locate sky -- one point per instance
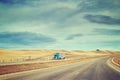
(60, 24)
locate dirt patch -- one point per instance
(6, 69)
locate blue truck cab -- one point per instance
(59, 56)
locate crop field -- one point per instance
(16, 56)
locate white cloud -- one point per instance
(58, 19)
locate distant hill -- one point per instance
(7, 54)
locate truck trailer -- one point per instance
(59, 56)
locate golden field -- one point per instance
(11, 55)
(34, 57)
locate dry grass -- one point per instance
(72, 56)
(14, 54)
(117, 60)
(21, 55)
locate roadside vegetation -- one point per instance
(117, 61)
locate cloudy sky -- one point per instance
(60, 24)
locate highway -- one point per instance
(95, 69)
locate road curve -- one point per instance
(95, 69)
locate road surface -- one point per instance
(96, 69)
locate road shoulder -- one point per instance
(112, 65)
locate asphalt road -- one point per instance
(96, 69)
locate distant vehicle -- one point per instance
(58, 56)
